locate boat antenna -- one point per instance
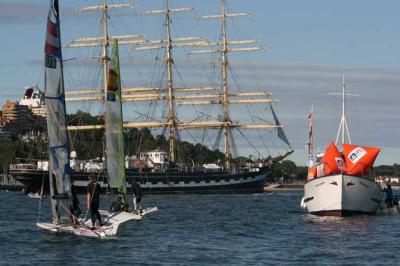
(343, 127)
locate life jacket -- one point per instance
(359, 159)
(320, 170)
(312, 173)
(333, 161)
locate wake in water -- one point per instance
(321, 219)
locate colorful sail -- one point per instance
(114, 130)
(333, 161)
(359, 159)
(55, 103)
(312, 173)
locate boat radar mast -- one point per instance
(343, 128)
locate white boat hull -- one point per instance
(341, 195)
(110, 228)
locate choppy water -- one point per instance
(259, 229)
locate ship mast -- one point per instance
(168, 44)
(224, 66)
(171, 103)
(106, 44)
(224, 69)
(103, 41)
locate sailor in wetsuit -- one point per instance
(93, 200)
(75, 207)
(117, 205)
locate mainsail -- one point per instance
(114, 130)
(55, 102)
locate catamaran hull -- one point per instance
(161, 183)
(110, 229)
(341, 195)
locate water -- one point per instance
(258, 229)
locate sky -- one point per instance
(310, 45)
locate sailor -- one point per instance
(389, 196)
(137, 192)
(93, 200)
(75, 207)
(117, 205)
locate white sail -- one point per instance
(55, 102)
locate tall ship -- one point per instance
(216, 112)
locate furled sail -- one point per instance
(114, 129)
(55, 102)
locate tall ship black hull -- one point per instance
(159, 182)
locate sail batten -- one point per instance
(55, 102)
(114, 130)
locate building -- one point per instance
(27, 117)
(34, 99)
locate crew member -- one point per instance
(75, 207)
(389, 196)
(137, 196)
(117, 205)
(93, 200)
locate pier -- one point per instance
(8, 183)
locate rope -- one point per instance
(40, 201)
(81, 222)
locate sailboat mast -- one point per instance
(106, 44)
(171, 104)
(224, 66)
(310, 142)
(343, 127)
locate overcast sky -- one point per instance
(310, 45)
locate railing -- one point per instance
(7, 182)
(22, 166)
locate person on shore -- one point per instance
(93, 200)
(389, 196)
(75, 207)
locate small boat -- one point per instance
(339, 185)
(59, 175)
(34, 195)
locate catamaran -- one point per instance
(59, 174)
(339, 184)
